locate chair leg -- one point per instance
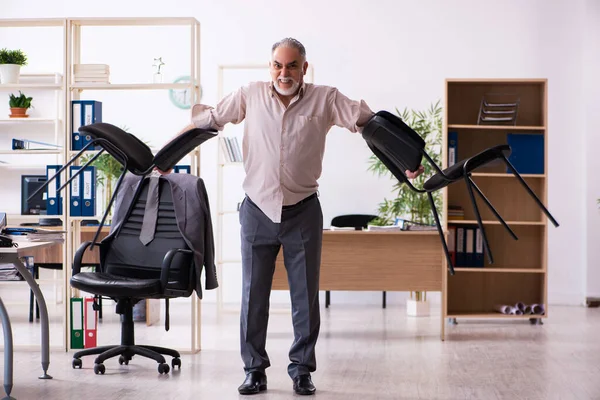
(526, 186)
(493, 210)
(486, 245)
(439, 228)
(327, 299)
(383, 300)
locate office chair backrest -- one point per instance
(116, 141)
(396, 144)
(356, 221)
(126, 256)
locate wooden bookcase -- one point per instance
(519, 271)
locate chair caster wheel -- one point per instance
(123, 360)
(176, 362)
(77, 363)
(163, 368)
(99, 369)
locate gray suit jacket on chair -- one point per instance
(193, 219)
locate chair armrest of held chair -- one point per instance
(166, 266)
(79, 257)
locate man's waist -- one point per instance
(304, 200)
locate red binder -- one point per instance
(90, 323)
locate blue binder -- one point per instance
(75, 206)
(53, 197)
(527, 152)
(88, 194)
(84, 112)
(182, 169)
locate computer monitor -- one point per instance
(37, 205)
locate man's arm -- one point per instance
(347, 113)
(231, 108)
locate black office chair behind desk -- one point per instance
(358, 222)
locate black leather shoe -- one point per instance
(303, 385)
(255, 382)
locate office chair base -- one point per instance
(126, 353)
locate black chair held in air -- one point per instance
(400, 148)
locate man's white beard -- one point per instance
(287, 92)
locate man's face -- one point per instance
(287, 70)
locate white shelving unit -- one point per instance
(45, 124)
(76, 28)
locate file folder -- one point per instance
(469, 246)
(76, 323)
(75, 206)
(460, 247)
(91, 323)
(75, 125)
(88, 187)
(182, 169)
(452, 148)
(478, 259)
(527, 155)
(84, 112)
(53, 198)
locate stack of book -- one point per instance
(95, 73)
(455, 212)
(231, 149)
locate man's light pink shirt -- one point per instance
(283, 147)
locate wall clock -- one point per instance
(182, 98)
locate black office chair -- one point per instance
(358, 222)
(129, 270)
(400, 148)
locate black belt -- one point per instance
(304, 200)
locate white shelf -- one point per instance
(124, 21)
(39, 86)
(28, 120)
(129, 86)
(16, 152)
(32, 22)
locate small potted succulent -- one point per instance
(19, 105)
(10, 65)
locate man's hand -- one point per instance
(413, 175)
(163, 172)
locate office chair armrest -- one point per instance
(166, 266)
(79, 257)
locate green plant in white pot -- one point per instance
(11, 62)
(406, 203)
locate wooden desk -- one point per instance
(377, 261)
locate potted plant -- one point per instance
(19, 105)
(406, 203)
(11, 62)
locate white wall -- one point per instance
(591, 61)
(397, 54)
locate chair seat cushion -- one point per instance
(457, 171)
(110, 285)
